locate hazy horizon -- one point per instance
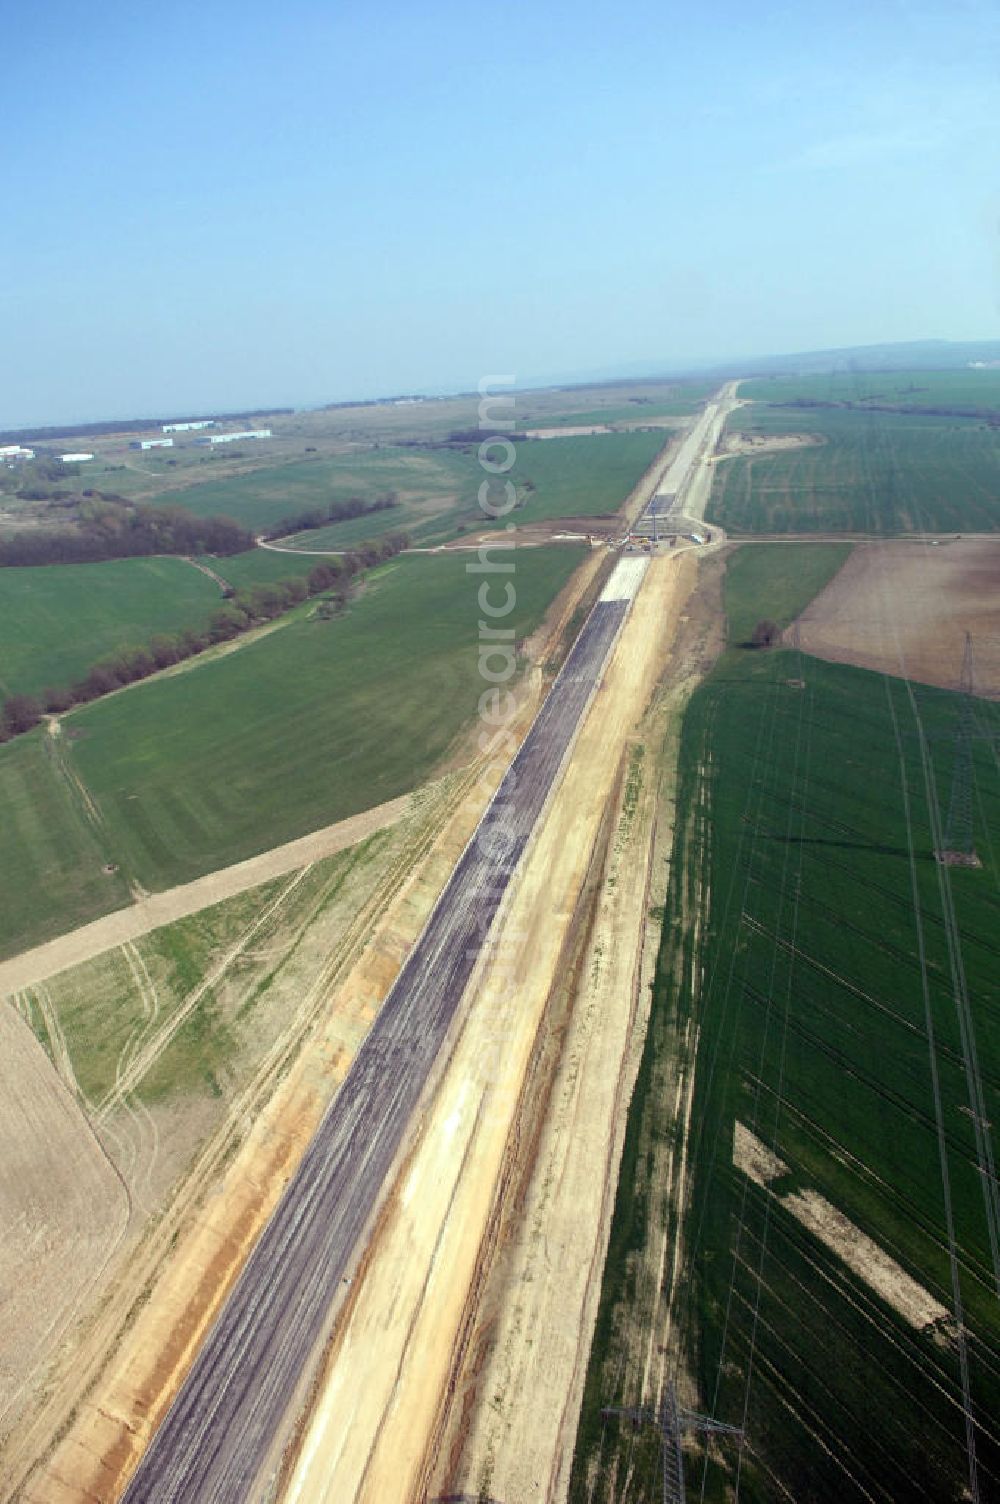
(625, 374)
(236, 210)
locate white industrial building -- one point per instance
(230, 438)
(10, 452)
(188, 427)
(75, 459)
(151, 444)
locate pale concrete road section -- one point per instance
(625, 579)
(234, 1409)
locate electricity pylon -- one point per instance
(671, 1420)
(958, 848)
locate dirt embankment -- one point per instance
(904, 606)
(511, 1422)
(734, 443)
(639, 1351)
(406, 1360)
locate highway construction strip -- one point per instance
(232, 1414)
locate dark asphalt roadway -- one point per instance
(233, 1406)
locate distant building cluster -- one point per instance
(231, 438)
(13, 454)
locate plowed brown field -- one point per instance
(904, 607)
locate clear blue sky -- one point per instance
(221, 204)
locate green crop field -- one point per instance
(103, 1004)
(355, 530)
(261, 566)
(306, 725)
(427, 482)
(873, 472)
(844, 989)
(241, 944)
(961, 389)
(639, 410)
(776, 581)
(52, 856)
(55, 622)
(627, 400)
(438, 490)
(584, 476)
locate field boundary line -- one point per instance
(157, 909)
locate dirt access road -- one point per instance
(34, 966)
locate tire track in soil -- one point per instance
(145, 1058)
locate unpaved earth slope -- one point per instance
(511, 1424)
(639, 1350)
(379, 1413)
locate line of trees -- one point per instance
(37, 479)
(465, 436)
(108, 527)
(242, 610)
(336, 511)
(911, 409)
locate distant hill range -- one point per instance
(912, 355)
